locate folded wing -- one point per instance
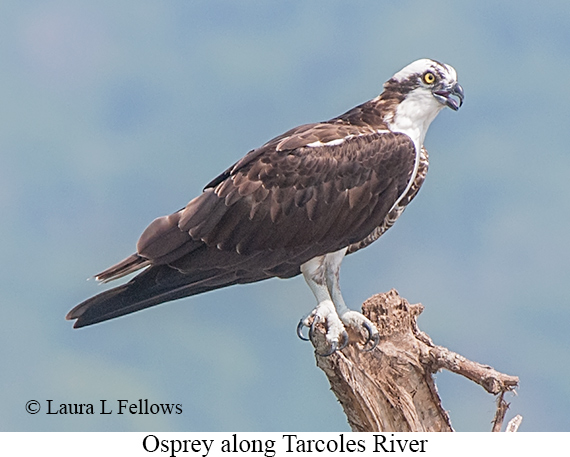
(311, 191)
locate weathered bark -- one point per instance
(391, 388)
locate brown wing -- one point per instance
(294, 198)
(328, 196)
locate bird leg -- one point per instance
(322, 276)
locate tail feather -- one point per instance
(156, 285)
(129, 265)
(205, 270)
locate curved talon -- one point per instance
(333, 349)
(345, 341)
(375, 341)
(300, 326)
(374, 337)
(366, 325)
(312, 327)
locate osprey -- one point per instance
(298, 204)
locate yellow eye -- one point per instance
(429, 77)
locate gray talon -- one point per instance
(375, 341)
(333, 349)
(312, 328)
(334, 344)
(366, 325)
(300, 326)
(344, 342)
(374, 337)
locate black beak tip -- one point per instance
(458, 92)
(451, 97)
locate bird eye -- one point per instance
(429, 77)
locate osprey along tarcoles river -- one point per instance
(298, 204)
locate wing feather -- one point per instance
(295, 196)
(312, 190)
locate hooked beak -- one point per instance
(445, 95)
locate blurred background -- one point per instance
(114, 112)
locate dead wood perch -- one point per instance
(391, 389)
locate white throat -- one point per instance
(414, 115)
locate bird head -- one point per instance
(424, 78)
(418, 93)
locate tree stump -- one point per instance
(391, 388)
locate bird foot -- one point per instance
(336, 334)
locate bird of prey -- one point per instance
(297, 204)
